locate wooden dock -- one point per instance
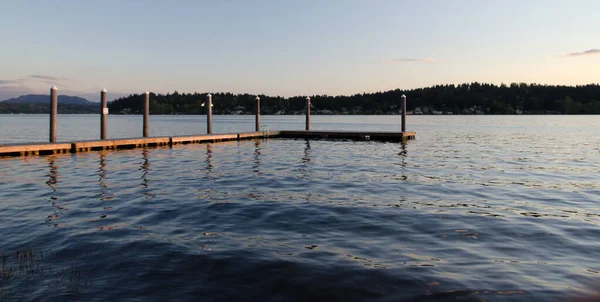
(54, 147)
(353, 135)
(129, 143)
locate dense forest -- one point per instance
(473, 98)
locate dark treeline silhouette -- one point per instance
(473, 98)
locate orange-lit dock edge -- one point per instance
(11, 150)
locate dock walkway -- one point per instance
(129, 143)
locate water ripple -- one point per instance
(492, 214)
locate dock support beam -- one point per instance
(146, 113)
(103, 113)
(53, 112)
(209, 114)
(257, 117)
(403, 105)
(307, 113)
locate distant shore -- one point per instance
(463, 99)
(340, 114)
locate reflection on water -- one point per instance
(145, 167)
(257, 163)
(102, 171)
(209, 159)
(104, 193)
(403, 155)
(305, 167)
(404, 152)
(306, 157)
(437, 219)
(53, 175)
(52, 182)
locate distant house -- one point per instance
(325, 111)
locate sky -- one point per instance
(292, 47)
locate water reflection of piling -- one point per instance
(209, 157)
(403, 155)
(306, 159)
(257, 163)
(52, 182)
(209, 167)
(145, 168)
(102, 171)
(53, 176)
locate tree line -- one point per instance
(468, 98)
(456, 99)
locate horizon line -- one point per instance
(123, 94)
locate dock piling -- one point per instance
(209, 114)
(307, 113)
(146, 113)
(403, 105)
(103, 113)
(257, 117)
(53, 112)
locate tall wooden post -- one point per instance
(103, 113)
(53, 112)
(307, 113)
(209, 114)
(146, 113)
(403, 105)
(257, 118)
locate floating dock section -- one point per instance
(130, 143)
(54, 147)
(352, 135)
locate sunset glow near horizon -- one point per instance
(293, 48)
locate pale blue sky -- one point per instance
(284, 47)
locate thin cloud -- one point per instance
(47, 77)
(7, 92)
(10, 82)
(405, 60)
(589, 52)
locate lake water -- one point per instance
(477, 208)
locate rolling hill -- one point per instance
(39, 104)
(45, 99)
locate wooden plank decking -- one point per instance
(360, 135)
(34, 149)
(128, 143)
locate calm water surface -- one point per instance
(494, 208)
